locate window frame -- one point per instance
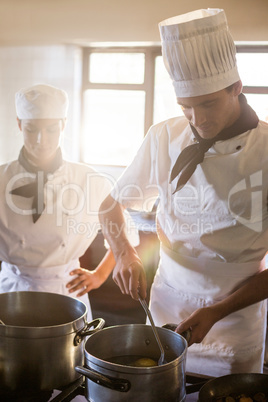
(250, 48)
(150, 52)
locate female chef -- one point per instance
(48, 205)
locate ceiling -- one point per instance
(44, 22)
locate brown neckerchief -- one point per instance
(36, 188)
(194, 154)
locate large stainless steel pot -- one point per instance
(112, 382)
(42, 341)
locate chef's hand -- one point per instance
(84, 281)
(129, 274)
(199, 323)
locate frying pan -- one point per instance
(244, 383)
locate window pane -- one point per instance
(113, 126)
(259, 102)
(117, 68)
(165, 103)
(252, 68)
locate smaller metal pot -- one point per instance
(237, 384)
(112, 382)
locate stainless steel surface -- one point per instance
(158, 383)
(37, 343)
(186, 334)
(161, 359)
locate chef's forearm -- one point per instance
(129, 273)
(106, 265)
(253, 291)
(113, 224)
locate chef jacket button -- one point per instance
(238, 147)
(62, 244)
(22, 241)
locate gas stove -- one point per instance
(76, 392)
(193, 384)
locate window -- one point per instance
(165, 102)
(126, 90)
(252, 64)
(117, 97)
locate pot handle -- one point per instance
(185, 334)
(116, 384)
(98, 324)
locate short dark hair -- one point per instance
(230, 88)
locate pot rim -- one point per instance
(90, 359)
(47, 331)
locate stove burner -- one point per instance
(71, 391)
(193, 384)
(66, 394)
(26, 396)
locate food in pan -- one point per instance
(144, 362)
(134, 361)
(259, 397)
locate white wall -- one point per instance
(77, 21)
(29, 65)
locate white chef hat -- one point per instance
(41, 102)
(199, 52)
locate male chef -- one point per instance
(209, 171)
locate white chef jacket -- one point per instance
(39, 256)
(215, 235)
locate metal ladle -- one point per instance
(149, 315)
